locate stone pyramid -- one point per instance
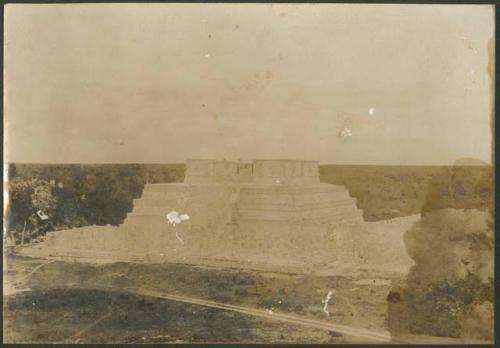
(266, 208)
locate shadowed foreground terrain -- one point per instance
(64, 293)
(98, 316)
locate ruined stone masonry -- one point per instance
(269, 211)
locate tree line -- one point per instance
(50, 197)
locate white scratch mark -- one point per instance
(42, 215)
(325, 301)
(174, 218)
(179, 238)
(207, 55)
(346, 132)
(371, 111)
(278, 181)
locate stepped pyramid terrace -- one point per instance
(269, 212)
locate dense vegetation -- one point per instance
(76, 195)
(385, 192)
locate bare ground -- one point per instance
(62, 302)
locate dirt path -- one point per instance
(352, 332)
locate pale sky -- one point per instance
(159, 83)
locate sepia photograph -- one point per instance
(296, 173)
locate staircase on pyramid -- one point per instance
(238, 210)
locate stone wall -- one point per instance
(285, 172)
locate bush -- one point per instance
(30, 201)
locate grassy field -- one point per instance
(62, 290)
(98, 316)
